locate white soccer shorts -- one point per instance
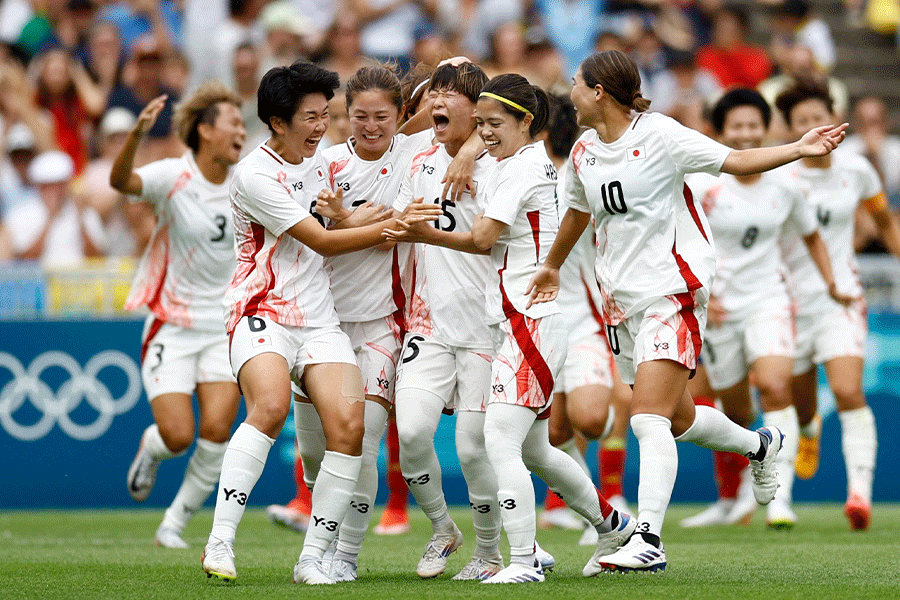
(588, 362)
(377, 346)
(821, 337)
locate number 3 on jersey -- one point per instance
(613, 198)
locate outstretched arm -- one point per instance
(122, 177)
(817, 142)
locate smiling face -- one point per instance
(809, 114)
(453, 115)
(743, 128)
(585, 101)
(226, 136)
(301, 136)
(374, 119)
(502, 133)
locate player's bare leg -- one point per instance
(804, 391)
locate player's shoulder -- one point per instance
(700, 182)
(852, 161)
(337, 152)
(531, 161)
(421, 157)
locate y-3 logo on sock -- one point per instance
(240, 497)
(481, 508)
(328, 525)
(421, 479)
(362, 507)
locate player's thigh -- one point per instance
(588, 408)
(736, 402)
(473, 379)
(426, 364)
(174, 416)
(845, 378)
(530, 357)
(169, 360)
(377, 345)
(724, 357)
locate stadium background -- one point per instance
(71, 405)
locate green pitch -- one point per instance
(110, 554)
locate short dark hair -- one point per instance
(735, 98)
(801, 91)
(468, 79)
(283, 88)
(562, 125)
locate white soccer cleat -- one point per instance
(167, 537)
(312, 571)
(590, 537)
(745, 505)
(608, 543)
(563, 518)
(288, 516)
(437, 553)
(142, 473)
(218, 560)
(765, 473)
(480, 568)
(342, 570)
(517, 573)
(780, 515)
(544, 558)
(636, 555)
(715, 514)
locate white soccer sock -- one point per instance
(310, 440)
(859, 440)
(658, 467)
(242, 465)
(356, 522)
(481, 481)
(712, 429)
(570, 447)
(418, 413)
(330, 500)
(563, 474)
(785, 420)
(155, 445)
(507, 426)
(199, 481)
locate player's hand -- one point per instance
(842, 299)
(366, 214)
(414, 224)
(458, 179)
(150, 113)
(331, 205)
(822, 140)
(543, 287)
(455, 61)
(715, 312)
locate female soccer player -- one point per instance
(181, 278)
(751, 329)
(282, 321)
(828, 333)
(518, 226)
(654, 266)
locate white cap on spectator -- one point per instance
(19, 137)
(281, 15)
(117, 120)
(51, 167)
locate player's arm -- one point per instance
(819, 254)
(885, 221)
(486, 231)
(817, 142)
(123, 177)
(413, 226)
(544, 285)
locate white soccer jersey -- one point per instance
(362, 283)
(746, 222)
(521, 194)
(189, 260)
(277, 277)
(652, 236)
(834, 194)
(448, 289)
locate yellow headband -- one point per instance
(508, 102)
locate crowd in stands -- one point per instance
(74, 74)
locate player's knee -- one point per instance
(848, 396)
(592, 425)
(345, 435)
(775, 394)
(412, 436)
(178, 438)
(270, 415)
(559, 433)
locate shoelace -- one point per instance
(219, 546)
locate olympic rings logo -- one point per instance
(56, 406)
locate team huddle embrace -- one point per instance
(423, 268)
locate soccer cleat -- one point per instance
(745, 505)
(393, 522)
(517, 573)
(590, 537)
(780, 515)
(218, 560)
(437, 552)
(608, 544)
(636, 555)
(858, 511)
(293, 516)
(765, 474)
(342, 570)
(807, 462)
(312, 571)
(544, 558)
(480, 568)
(715, 514)
(329, 551)
(142, 473)
(167, 537)
(563, 518)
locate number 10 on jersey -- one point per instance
(613, 198)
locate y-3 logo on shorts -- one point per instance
(382, 383)
(498, 388)
(660, 346)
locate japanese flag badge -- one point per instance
(636, 153)
(261, 340)
(385, 171)
(320, 173)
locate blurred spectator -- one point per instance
(53, 228)
(176, 72)
(572, 26)
(136, 19)
(321, 15)
(147, 60)
(872, 140)
(387, 27)
(247, 75)
(202, 21)
(67, 92)
(649, 56)
(338, 130)
(508, 53)
(18, 105)
(342, 51)
(286, 32)
(20, 150)
(105, 56)
(545, 61)
(38, 33)
(74, 28)
(7, 253)
(240, 26)
(701, 14)
(734, 61)
(794, 23)
(880, 15)
(683, 90)
(14, 15)
(673, 27)
(474, 21)
(430, 45)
